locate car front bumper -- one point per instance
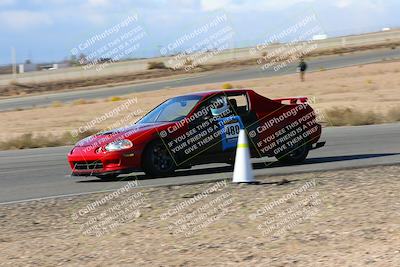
(86, 162)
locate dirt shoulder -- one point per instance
(366, 88)
(117, 78)
(341, 218)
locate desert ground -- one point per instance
(132, 70)
(366, 88)
(340, 218)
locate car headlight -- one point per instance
(119, 145)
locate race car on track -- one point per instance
(201, 128)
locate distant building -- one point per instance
(320, 37)
(55, 66)
(27, 67)
(386, 29)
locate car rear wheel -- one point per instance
(295, 154)
(157, 161)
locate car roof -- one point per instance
(212, 92)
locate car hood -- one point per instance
(103, 138)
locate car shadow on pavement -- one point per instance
(258, 165)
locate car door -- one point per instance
(240, 104)
(211, 127)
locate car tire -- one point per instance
(157, 161)
(295, 155)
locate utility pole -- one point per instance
(343, 42)
(159, 51)
(14, 64)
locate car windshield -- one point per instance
(174, 109)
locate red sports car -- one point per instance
(200, 128)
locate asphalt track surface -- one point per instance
(43, 173)
(326, 62)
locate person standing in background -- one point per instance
(301, 68)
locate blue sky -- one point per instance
(47, 30)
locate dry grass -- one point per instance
(369, 81)
(394, 114)
(227, 86)
(56, 104)
(351, 117)
(156, 65)
(115, 99)
(46, 140)
(29, 141)
(188, 62)
(80, 102)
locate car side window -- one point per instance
(239, 103)
(216, 106)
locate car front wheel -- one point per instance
(157, 161)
